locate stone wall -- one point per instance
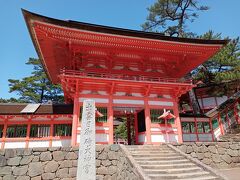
(215, 154)
(61, 163)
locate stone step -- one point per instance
(158, 158)
(155, 155)
(180, 175)
(173, 171)
(150, 150)
(168, 166)
(176, 161)
(206, 177)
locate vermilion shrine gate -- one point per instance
(129, 74)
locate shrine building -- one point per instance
(134, 77)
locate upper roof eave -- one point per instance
(113, 30)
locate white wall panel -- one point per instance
(160, 103)
(13, 145)
(38, 144)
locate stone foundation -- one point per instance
(215, 154)
(61, 163)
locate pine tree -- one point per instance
(171, 16)
(36, 88)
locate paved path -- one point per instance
(232, 174)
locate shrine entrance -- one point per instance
(125, 124)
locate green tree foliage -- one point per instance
(12, 100)
(36, 88)
(224, 66)
(171, 16)
(121, 131)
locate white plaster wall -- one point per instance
(162, 138)
(41, 118)
(10, 145)
(160, 103)
(189, 137)
(97, 100)
(217, 133)
(127, 101)
(99, 138)
(202, 119)
(137, 94)
(86, 92)
(38, 144)
(102, 128)
(205, 137)
(186, 119)
(61, 143)
(102, 138)
(163, 129)
(142, 138)
(63, 119)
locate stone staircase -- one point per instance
(163, 162)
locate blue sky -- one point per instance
(16, 46)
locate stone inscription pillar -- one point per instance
(86, 169)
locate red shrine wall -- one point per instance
(28, 131)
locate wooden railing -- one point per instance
(123, 77)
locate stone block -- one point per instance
(24, 152)
(98, 163)
(23, 178)
(189, 149)
(112, 155)
(216, 158)
(48, 176)
(26, 160)
(5, 170)
(102, 170)
(71, 155)
(8, 177)
(99, 177)
(221, 150)
(66, 164)
(207, 155)
(40, 149)
(75, 163)
(223, 144)
(114, 147)
(37, 178)
(234, 146)
(46, 156)
(226, 158)
(212, 149)
(207, 161)
(106, 163)
(102, 156)
(233, 153)
(112, 170)
(193, 154)
(99, 148)
(20, 170)
(62, 173)
(73, 172)
(58, 155)
(183, 148)
(9, 153)
(35, 169)
(3, 161)
(35, 159)
(15, 161)
(200, 156)
(236, 159)
(51, 167)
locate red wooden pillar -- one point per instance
(4, 132)
(147, 121)
(28, 131)
(177, 121)
(136, 127)
(110, 120)
(76, 111)
(220, 124)
(211, 127)
(196, 129)
(51, 131)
